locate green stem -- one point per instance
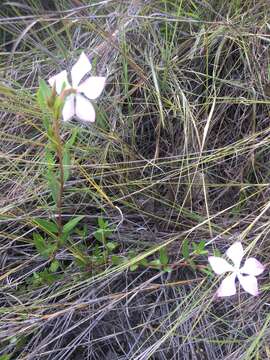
(59, 203)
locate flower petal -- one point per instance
(84, 109)
(92, 87)
(79, 69)
(219, 265)
(252, 267)
(249, 284)
(59, 80)
(69, 108)
(227, 286)
(236, 253)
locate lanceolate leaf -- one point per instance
(163, 256)
(185, 249)
(54, 185)
(39, 242)
(43, 94)
(70, 142)
(66, 163)
(48, 226)
(72, 224)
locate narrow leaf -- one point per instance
(54, 266)
(53, 184)
(185, 249)
(133, 267)
(39, 242)
(43, 94)
(111, 245)
(155, 263)
(70, 142)
(72, 224)
(48, 226)
(117, 260)
(66, 163)
(163, 256)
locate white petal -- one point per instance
(69, 108)
(219, 265)
(59, 80)
(249, 284)
(92, 87)
(236, 253)
(84, 109)
(79, 69)
(252, 267)
(227, 287)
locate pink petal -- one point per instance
(252, 267)
(59, 80)
(69, 108)
(219, 265)
(249, 284)
(92, 87)
(84, 109)
(227, 286)
(80, 68)
(236, 253)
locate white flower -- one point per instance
(246, 274)
(77, 104)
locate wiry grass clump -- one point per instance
(179, 153)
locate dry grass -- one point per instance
(180, 146)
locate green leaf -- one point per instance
(39, 242)
(53, 184)
(111, 245)
(117, 260)
(54, 266)
(63, 238)
(97, 251)
(102, 223)
(5, 357)
(132, 254)
(70, 142)
(185, 249)
(47, 278)
(49, 251)
(201, 246)
(133, 267)
(102, 234)
(82, 263)
(58, 105)
(163, 256)
(49, 158)
(207, 271)
(43, 248)
(48, 226)
(155, 263)
(217, 253)
(143, 262)
(168, 269)
(192, 264)
(83, 233)
(99, 235)
(66, 163)
(68, 227)
(199, 249)
(43, 94)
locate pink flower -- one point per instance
(78, 103)
(245, 274)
